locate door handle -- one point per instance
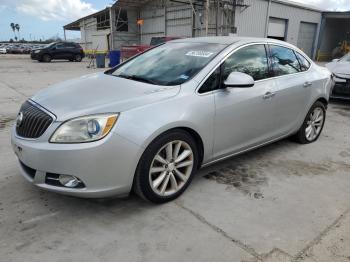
(307, 84)
(269, 95)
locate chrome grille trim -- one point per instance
(35, 121)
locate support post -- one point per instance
(207, 4)
(267, 18)
(112, 26)
(217, 16)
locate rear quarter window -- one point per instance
(304, 63)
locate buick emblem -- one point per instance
(19, 119)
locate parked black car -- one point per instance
(59, 50)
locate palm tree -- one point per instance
(17, 27)
(13, 27)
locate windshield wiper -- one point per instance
(138, 78)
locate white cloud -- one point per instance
(52, 9)
(332, 5)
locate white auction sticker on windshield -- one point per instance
(200, 53)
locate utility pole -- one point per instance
(207, 5)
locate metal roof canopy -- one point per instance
(75, 26)
(130, 3)
(337, 15)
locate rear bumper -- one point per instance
(106, 167)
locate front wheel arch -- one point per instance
(139, 180)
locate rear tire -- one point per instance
(162, 175)
(313, 124)
(78, 58)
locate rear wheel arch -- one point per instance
(323, 101)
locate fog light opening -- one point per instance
(70, 181)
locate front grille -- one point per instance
(34, 121)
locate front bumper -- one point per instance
(341, 88)
(35, 56)
(106, 167)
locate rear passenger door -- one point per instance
(292, 88)
(71, 50)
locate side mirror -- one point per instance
(336, 60)
(240, 80)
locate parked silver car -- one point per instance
(341, 73)
(151, 122)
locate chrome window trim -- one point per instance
(258, 81)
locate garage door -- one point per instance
(277, 28)
(306, 38)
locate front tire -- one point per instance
(46, 58)
(312, 125)
(167, 166)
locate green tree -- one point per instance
(17, 27)
(13, 27)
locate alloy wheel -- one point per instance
(314, 124)
(171, 168)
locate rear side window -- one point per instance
(304, 63)
(284, 61)
(251, 60)
(71, 45)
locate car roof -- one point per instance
(229, 40)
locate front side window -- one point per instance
(168, 64)
(304, 63)
(212, 82)
(251, 60)
(284, 61)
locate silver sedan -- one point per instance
(150, 123)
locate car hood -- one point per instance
(99, 93)
(341, 69)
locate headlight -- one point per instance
(37, 51)
(84, 129)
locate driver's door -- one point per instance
(245, 117)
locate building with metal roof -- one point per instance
(129, 22)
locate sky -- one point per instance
(41, 19)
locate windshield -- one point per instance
(49, 45)
(345, 58)
(169, 64)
